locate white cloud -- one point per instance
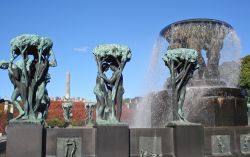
(82, 49)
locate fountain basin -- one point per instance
(167, 30)
(208, 105)
(216, 106)
(201, 34)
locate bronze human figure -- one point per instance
(31, 57)
(109, 91)
(182, 63)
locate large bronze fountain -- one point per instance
(199, 34)
(208, 100)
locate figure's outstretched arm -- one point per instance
(113, 77)
(4, 65)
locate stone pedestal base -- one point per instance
(188, 140)
(101, 141)
(25, 140)
(66, 141)
(151, 142)
(242, 141)
(219, 141)
(227, 141)
(112, 141)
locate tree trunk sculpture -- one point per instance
(29, 76)
(109, 91)
(182, 63)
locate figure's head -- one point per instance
(105, 67)
(114, 66)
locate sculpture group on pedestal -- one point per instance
(109, 91)
(31, 57)
(182, 63)
(29, 76)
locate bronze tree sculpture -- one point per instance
(182, 63)
(109, 91)
(31, 57)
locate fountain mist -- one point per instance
(219, 70)
(218, 75)
(155, 76)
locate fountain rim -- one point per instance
(196, 20)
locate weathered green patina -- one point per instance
(182, 63)
(109, 91)
(29, 76)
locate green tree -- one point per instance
(245, 73)
(126, 100)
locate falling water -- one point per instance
(229, 70)
(204, 36)
(229, 65)
(216, 39)
(154, 80)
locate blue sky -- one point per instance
(77, 26)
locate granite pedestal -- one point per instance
(242, 141)
(81, 142)
(151, 142)
(227, 141)
(25, 140)
(219, 141)
(112, 141)
(188, 140)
